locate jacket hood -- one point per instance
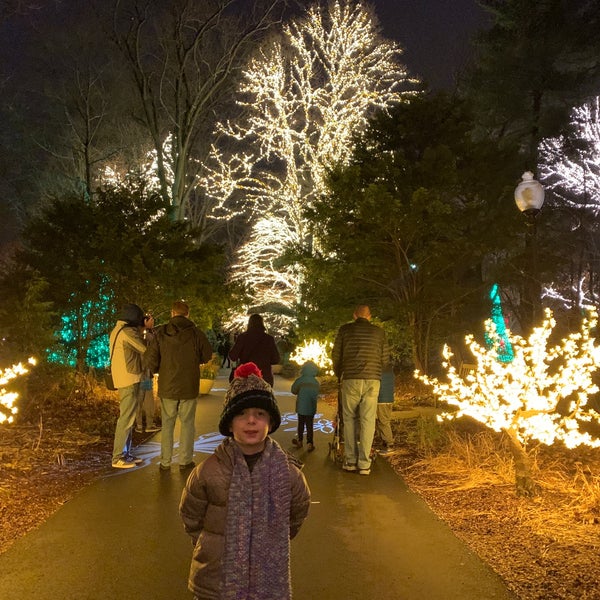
(176, 325)
(309, 369)
(131, 314)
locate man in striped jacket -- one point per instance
(359, 352)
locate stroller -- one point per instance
(336, 446)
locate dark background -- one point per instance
(435, 35)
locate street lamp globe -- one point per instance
(529, 195)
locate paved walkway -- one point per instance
(366, 537)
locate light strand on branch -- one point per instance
(542, 395)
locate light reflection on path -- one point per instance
(208, 442)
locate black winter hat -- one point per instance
(131, 313)
(248, 390)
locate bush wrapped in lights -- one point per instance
(541, 395)
(7, 399)
(315, 351)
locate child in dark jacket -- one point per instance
(307, 389)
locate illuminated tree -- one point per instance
(182, 56)
(570, 169)
(7, 399)
(302, 97)
(314, 351)
(542, 395)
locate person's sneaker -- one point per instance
(164, 467)
(187, 466)
(152, 429)
(136, 460)
(310, 447)
(386, 451)
(296, 442)
(364, 471)
(348, 467)
(122, 463)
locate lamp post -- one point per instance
(529, 198)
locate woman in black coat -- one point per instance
(257, 346)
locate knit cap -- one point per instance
(248, 390)
(131, 313)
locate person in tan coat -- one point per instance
(126, 349)
(244, 504)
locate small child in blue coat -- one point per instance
(307, 389)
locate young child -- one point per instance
(244, 503)
(306, 388)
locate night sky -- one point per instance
(434, 34)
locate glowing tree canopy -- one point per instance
(7, 399)
(316, 352)
(302, 97)
(541, 395)
(570, 168)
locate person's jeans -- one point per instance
(383, 425)
(128, 397)
(170, 410)
(359, 410)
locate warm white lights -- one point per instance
(303, 96)
(314, 351)
(541, 395)
(7, 399)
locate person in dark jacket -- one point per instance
(359, 352)
(257, 346)
(176, 353)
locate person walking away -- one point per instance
(176, 353)
(126, 348)
(359, 352)
(244, 503)
(224, 348)
(146, 408)
(257, 346)
(385, 402)
(306, 389)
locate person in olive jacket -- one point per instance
(176, 353)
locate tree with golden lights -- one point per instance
(302, 97)
(541, 396)
(8, 408)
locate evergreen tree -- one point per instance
(406, 226)
(536, 61)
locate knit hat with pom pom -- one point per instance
(248, 390)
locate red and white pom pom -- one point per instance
(247, 369)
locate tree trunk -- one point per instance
(525, 485)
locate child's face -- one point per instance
(250, 429)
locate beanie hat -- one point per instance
(131, 313)
(248, 390)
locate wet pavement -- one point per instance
(365, 537)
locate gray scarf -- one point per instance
(256, 558)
